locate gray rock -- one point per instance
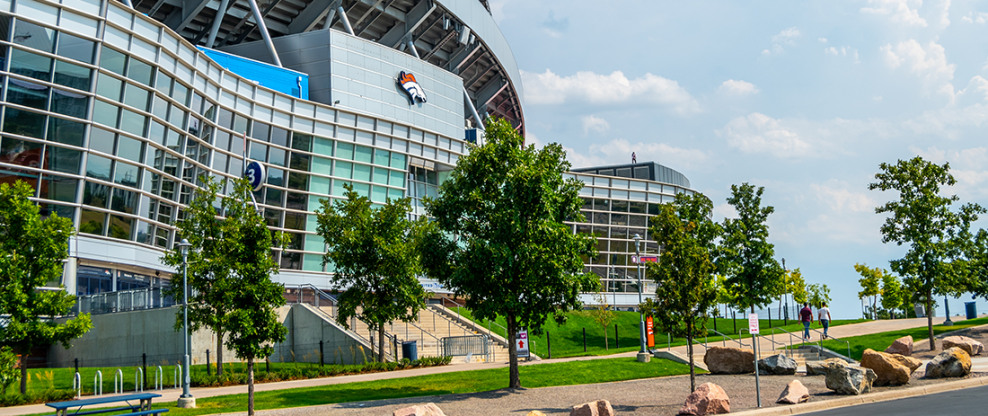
(820, 368)
(777, 365)
(850, 380)
(953, 362)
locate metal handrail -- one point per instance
(458, 306)
(723, 336)
(835, 339)
(792, 335)
(77, 385)
(98, 385)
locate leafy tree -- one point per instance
(253, 324)
(601, 314)
(377, 259)
(795, 286)
(870, 278)
(515, 257)
(937, 237)
(818, 294)
(893, 294)
(746, 257)
(685, 274)
(31, 254)
(209, 280)
(9, 373)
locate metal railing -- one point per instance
(123, 301)
(312, 295)
(460, 319)
(724, 339)
(828, 337)
(769, 338)
(791, 337)
(467, 346)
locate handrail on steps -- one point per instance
(767, 338)
(835, 339)
(791, 336)
(724, 339)
(477, 324)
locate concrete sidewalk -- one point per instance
(171, 395)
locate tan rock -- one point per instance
(850, 380)
(708, 399)
(912, 363)
(729, 360)
(794, 393)
(535, 413)
(594, 408)
(890, 371)
(429, 409)
(820, 368)
(970, 346)
(954, 362)
(901, 346)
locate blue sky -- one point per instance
(803, 98)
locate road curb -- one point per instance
(884, 396)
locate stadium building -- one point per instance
(113, 110)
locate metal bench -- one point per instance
(141, 408)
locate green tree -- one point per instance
(818, 294)
(601, 314)
(9, 373)
(893, 294)
(922, 219)
(515, 257)
(746, 257)
(795, 286)
(253, 324)
(686, 287)
(209, 280)
(869, 281)
(31, 254)
(377, 259)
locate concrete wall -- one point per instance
(119, 339)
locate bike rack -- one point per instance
(77, 385)
(178, 374)
(138, 379)
(98, 385)
(159, 379)
(118, 378)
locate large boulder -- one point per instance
(708, 399)
(970, 346)
(912, 363)
(890, 371)
(729, 360)
(850, 380)
(429, 409)
(954, 362)
(820, 368)
(777, 365)
(794, 393)
(594, 408)
(901, 346)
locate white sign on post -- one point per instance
(753, 323)
(522, 339)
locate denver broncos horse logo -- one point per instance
(411, 86)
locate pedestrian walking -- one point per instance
(806, 315)
(824, 315)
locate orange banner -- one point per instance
(650, 338)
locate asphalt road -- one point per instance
(960, 402)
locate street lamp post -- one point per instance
(946, 307)
(642, 353)
(185, 400)
(785, 285)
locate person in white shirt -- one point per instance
(824, 315)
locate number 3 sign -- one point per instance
(255, 175)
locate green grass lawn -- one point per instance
(567, 339)
(881, 341)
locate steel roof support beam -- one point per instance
(439, 45)
(179, 18)
(361, 27)
(460, 56)
(312, 14)
(264, 32)
(345, 20)
(473, 109)
(217, 21)
(490, 90)
(413, 19)
(480, 74)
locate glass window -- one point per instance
(120, 227)
(163, 84)
(112, 60)
(136, 97)
(638, 207)
(276, 177)
(361, 172)
(619, 219)
(65, 131)
(132, 122)
(20, 152)
(379, 194)
(295, 221)
(180, 93)
(140, 72)
(101, 140)
(196, 103)
(258, 152)
(276, 156)
(98, 167)
(397, 179)
(362, 154)
(177, 117)
(105, 113)
(77, 48)
(344, 151)
(130, 149)
(109, 87)
(619, 206)
(92, 223)
(338, 187)
(302, 142)
(296, 201)
(160, 107)
(124, 201)
(24, 123)
(60, 159)
(362, 189)
(58, 188)
(299, 162)
(299, 181)
(222, 140)
(72, 75)
(398, 160)
(34, 36)
(5, 27)
(382, 157)
(30, 64)
(27, 94)
(69, 103)
(380, 176)
(272, 217)
(279, 136)
(240, 124)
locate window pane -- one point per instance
(260, 131)
(126, 175)
(361, 172)
(130, 149)
(60, 159)
(27, 94)
(344, 151)
(180, 93)
(279, 136)
(101, 140)
(20, 152)
(362, 154)
(105, 113)
(92, 222)
(25, 123)
(132, 122)
(302, 142)
(140, 72)
(397, 179)
(120, 227)
(382, 157)
(295, 221)
(276, 177)
(124, 201)
(299, 181)
(380, 176)
(58, 188)
(69, 103)
(112, 60)
(276, 156)
(34, 36)
(398, 160)
(136, 97)
(75, 48)
(296, 201)
(30, 65)
(72, 75)
(300, 161)
(98, 167)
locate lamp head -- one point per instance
(183, 247)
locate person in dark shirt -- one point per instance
(806, 315)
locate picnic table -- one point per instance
(138, 404)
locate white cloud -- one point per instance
(843, 51)
(758, 133)
(897, 10)
(594, 123)
(975, 17)
(725, 210)
(877, 98)
(738, 87)
(945, 13)
(596, 89)
(948, 122)
(619, 151)
(822, 40)
(967, 166)
(929, 62)
(785, 37)
(838, 196)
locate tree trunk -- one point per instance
(250, 386)
(606, 347)
(380, 343)
(929, 319)
(514, 381)
(689, 351)
(24, 353)
(219, 351)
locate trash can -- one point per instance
(972, 309)
(409, 350)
